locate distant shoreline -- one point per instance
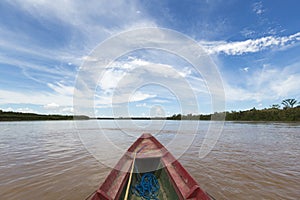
(252, 115)
(18, 116)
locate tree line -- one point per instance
(289, 112)
(18, 116)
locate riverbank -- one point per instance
(18, 116)
(267, 114)
(264, 115)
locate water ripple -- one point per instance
(46, 160)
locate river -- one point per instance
(69, 159)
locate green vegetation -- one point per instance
(274, 113)
(288, 113)
(271, 114)
(267, 114)
(18, 116)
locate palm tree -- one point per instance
(289, 103)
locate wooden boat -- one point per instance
(148, 155)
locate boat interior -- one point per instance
(142, 168)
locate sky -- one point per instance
(255, 46)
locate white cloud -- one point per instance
(157, 111)
(91, 21)
(141, 105)
(246, 32)
(113, 99)
(51, 106)
(89, 59)
(88, 24)
(250, 45)
(135, 80)
(245, 69)
(67, 110)
(185, 72)
(139, 96)
(122, 82)
(269, 83)
(22, 110)
(46, 103)
(258, 8)
(62, 89)
(56, 108)
(287, 86)
(38, 98)
(160, 101)
(111, 78)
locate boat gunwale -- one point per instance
(192, 189)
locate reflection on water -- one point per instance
(46, 160)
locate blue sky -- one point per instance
(255, 45)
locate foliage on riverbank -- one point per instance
(267, 114)
(275, 113)
(18, 116)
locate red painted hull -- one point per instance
(148, 147)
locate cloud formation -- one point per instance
(250, 45)
(43, 44)
(123, 79)
(258, 8)
(268, 83)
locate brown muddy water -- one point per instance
(69, 159)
